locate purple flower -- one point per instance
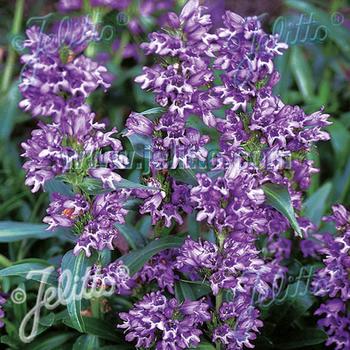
(138, 124)
(303, 172)
(245, 327)
(336, 322)
(69, 5)
(55, 75)
(107, 176)
(333, 279)
(241, 269)
(161, 269)
(47, 157)
(100, 232)
(63, 211)
(340, 216)
(3, 299)
(114, 4)
(73, 143)
(157, 321)
(197, 255)
(115, 275)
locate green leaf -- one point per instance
(294, 302)
(183, 291)
(58, 186)
(302, 338)
(86, 342)
(47, 320)
(340, 139)
(186, 176)
(302, 73)
(144, 225)
(205, 346)
(50, 341)
(94, 186)
(155, 110)
(22, 270)
(283, 67)
(278, 197)
(14, 343)
(133, 236)
(316, 205)
(12, 231)
(198, 288)
(9, 111)
(338, 33)
(136, 259)
(141, 145)
(341, 184)
(97, 327)
(76, 267)
(193, 226)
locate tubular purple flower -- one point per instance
(138, 124)
(156, 320)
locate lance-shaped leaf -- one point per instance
(97, 327)
(278, 197)
(205, 346)
(132, 236)
(86, 342)
(154, 110)
(57, 185)
(94, 186)
(12, 231)
(302, 73)
(32, 269)
(316, 205)
(74, 269)
(141, 145)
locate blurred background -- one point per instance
(315, 72)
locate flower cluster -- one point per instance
(225, 78)
(57, 80)
(333, 282)
(245, 320)
(115, 275)
(156, 320)
(3, 300)
(206, 82)
(264, 138)
(161, 268)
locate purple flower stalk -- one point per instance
(332, 281)
(3, 299)
(156, 320)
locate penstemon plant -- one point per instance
(197, 250)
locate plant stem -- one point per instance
(95, 307)
(11, 59)
(219, 298)
(96, 19)
(124, 40)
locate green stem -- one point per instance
(96, 19)
(95, 307)
(11, 59)
(219, 298)
(124, 40)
